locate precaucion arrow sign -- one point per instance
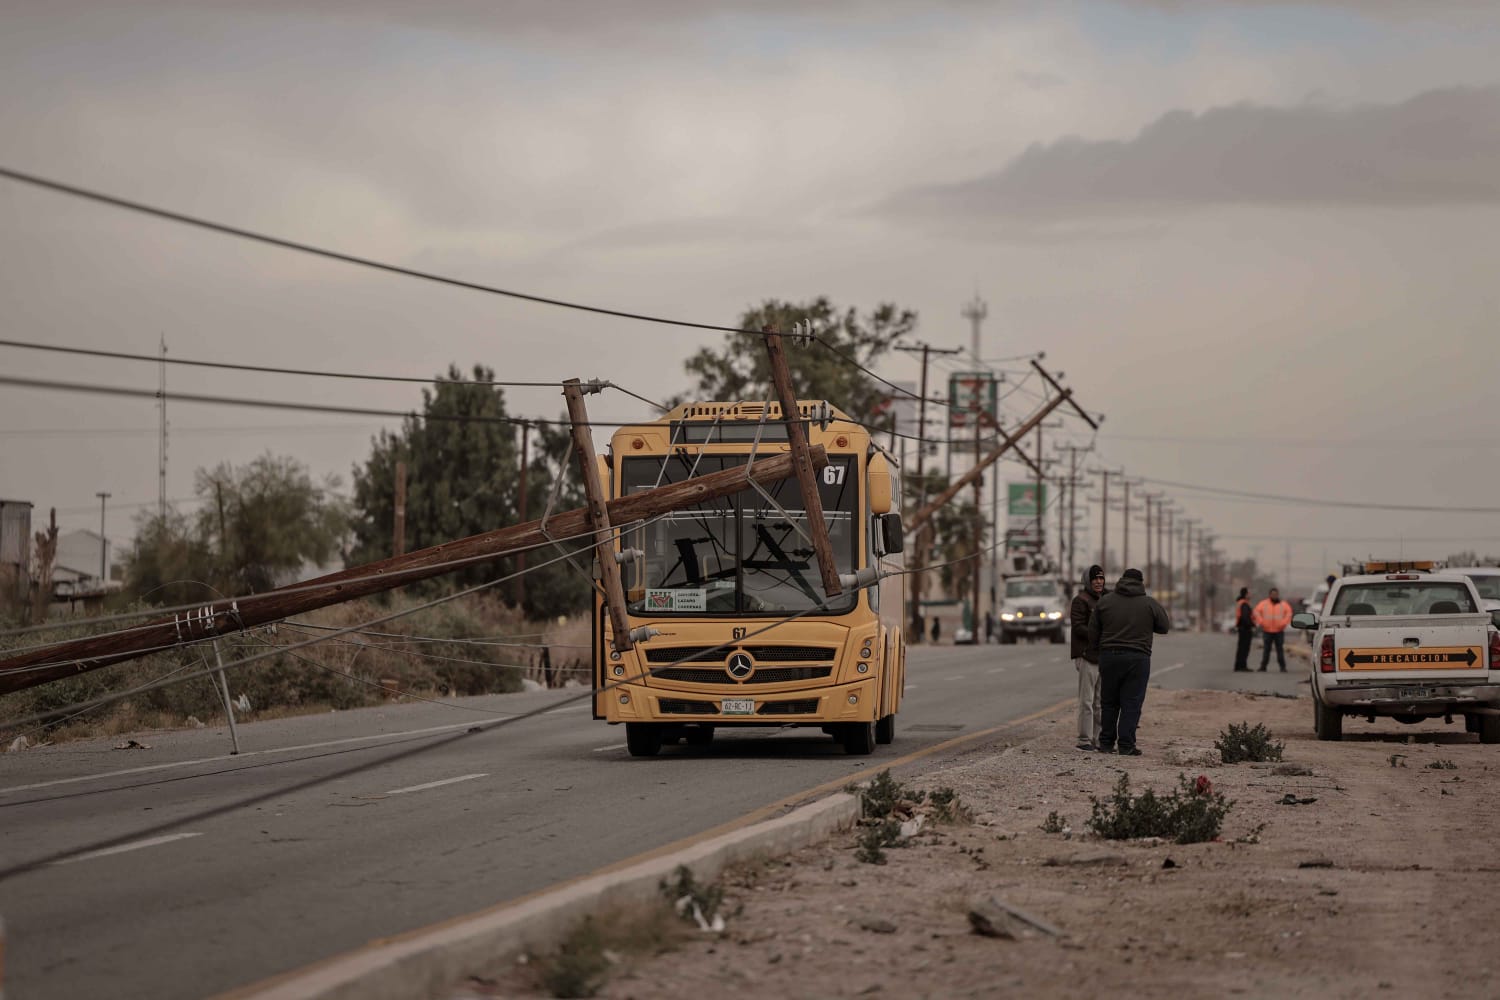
(1435, 658)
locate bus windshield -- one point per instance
(738, 554)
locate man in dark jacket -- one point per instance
(1086, 659)
(1121, 628)
(1244, 627)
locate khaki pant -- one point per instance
(1090, 711)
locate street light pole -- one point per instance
(103, 545)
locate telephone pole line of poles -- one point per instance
(103, 545)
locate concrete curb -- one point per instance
(430, 961)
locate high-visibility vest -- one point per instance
(1273, 617)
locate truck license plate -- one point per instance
(737, 706)
(1405, 693)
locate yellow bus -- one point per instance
(715, 580)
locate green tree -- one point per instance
(739, 369)
(259, 524)
(265, 520)
(462, 459)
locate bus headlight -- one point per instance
(619, 671)
(863, 668)
(624, 699)
(854, 699)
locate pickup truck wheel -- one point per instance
(1057, 638)
(1489, 729)
(1328, 723)
(643, 739)
(885, 729)
(858, 738)
(1007, 638)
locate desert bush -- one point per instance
(947, 807)
(1240, 742)
(1054, 823)
(1192, 813)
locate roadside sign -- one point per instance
(972, 394)
(1026, 499)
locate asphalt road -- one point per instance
(429, 823)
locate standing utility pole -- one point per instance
(518, 592)
(161, 443)
(103, 545)
(1125, 531)
(398, 539)
(975, 312)
(919, 546)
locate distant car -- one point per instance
(1180, 623)
(1487, 582)
(963, 637)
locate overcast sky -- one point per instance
(1261, 237)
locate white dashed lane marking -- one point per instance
(134, 845)
(436, 784)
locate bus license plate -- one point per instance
(1405, 693)
(737, 706)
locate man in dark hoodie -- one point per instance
(1121, 628)
(1086, 659)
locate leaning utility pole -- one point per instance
(598, 514)
(76, 656)
(812, 502)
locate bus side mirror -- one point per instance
(1304, 619)
(891, 540)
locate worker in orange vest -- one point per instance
(1244, 630)
(1273, 615)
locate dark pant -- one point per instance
(1242, 650)
(1123, 674)
(1277, 639)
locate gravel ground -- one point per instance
(1360, 868)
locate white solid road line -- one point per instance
(612, 746)
(134, 845)
(957, 677)
(1168, 670)
(997, 670)
(436, 784)
(251, 753)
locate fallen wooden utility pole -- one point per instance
(598, 515)
(812, 503)
(76, 656)
(1007, 442)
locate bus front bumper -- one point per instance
(856, 702)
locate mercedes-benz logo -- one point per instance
(740, 666)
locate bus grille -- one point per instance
(718, 654)
(803, 706)
(680, 706)
(769, 675)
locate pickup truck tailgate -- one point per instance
(1416, 647)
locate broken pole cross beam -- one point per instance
(76, 656)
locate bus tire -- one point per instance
(1489, 729)
(858, 738)
(643, 739)
(885, 729)
(698, 736)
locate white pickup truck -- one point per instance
(1407, 646)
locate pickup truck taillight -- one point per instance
(1495, 650)
(1326, 661)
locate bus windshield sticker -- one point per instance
(676, 600)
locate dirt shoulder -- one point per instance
(1382, 879)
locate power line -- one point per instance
(1317, 502)
(315, 373)
(272, 404)
(307, 248)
